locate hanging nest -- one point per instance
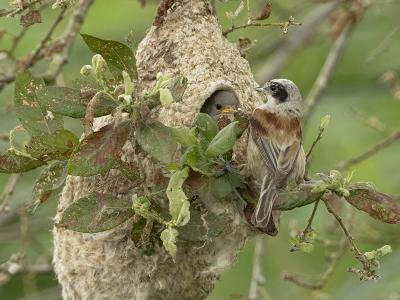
(185, 40)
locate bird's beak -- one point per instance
(260, 89)
(228, 110)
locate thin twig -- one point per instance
(372, 121)
(14, 266)
(368, 266)
(293, 41)
(28, 279)
(319, 284)
(350, 238)
(283, 25)
(257, 277)
(8, 192)
(315, 142)
(382, 45)
(44, 41)
(17, 38)
(310, 220)
(69, 36)
(326, 72)
(18, 10)
(335, 258)
(385, 143)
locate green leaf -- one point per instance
(29, 110)
(72, 102)
(206, 125)
(223, 141)
(141, 206)
(184, 136)
(137, 231)
(178, 201)
(220, 187)
(378, 253)
(96, 213)
(56, 146)
(202, 227)
(16, 162)
(50, 179)
(166, 98)
(100, 151)
(157, 140)
(324, 122)
(168, 237)
(306, 247)
(119, 57)
(190, 157)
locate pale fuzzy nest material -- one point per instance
(107, 265)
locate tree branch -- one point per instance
(319, 284)
(385, 143)
(283, 25)
(326, 72)
(18, 10)
(257, 277)
(8, 191)
(69, 36)
(294, 40)
(38, 50)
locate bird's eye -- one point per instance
(273, 88)
(219, 106)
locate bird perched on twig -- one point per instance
(275, 153)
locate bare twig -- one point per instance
(368, 271)
(310, 220)
(394, 137)
(19, 10)
(372, 121)
(294, 41)
(283, 25)
(17, 38)
(67, 40)
(326, 72)
(383, 45)
(350, 239)
(334, 258)
(69, 36)
(257, 277)
(14, 266)
(8, 191)
(315, 142)
(38, 50)
(319, 284)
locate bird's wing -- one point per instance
(279, 151)
(280, 158)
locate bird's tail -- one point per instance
(268, 194)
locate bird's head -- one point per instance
(221, 102)
(282, 94)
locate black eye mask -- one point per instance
(279, 92)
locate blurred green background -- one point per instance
(355, 85)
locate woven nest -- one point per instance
(186, 41)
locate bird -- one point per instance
(275, 152)
(220, 102)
